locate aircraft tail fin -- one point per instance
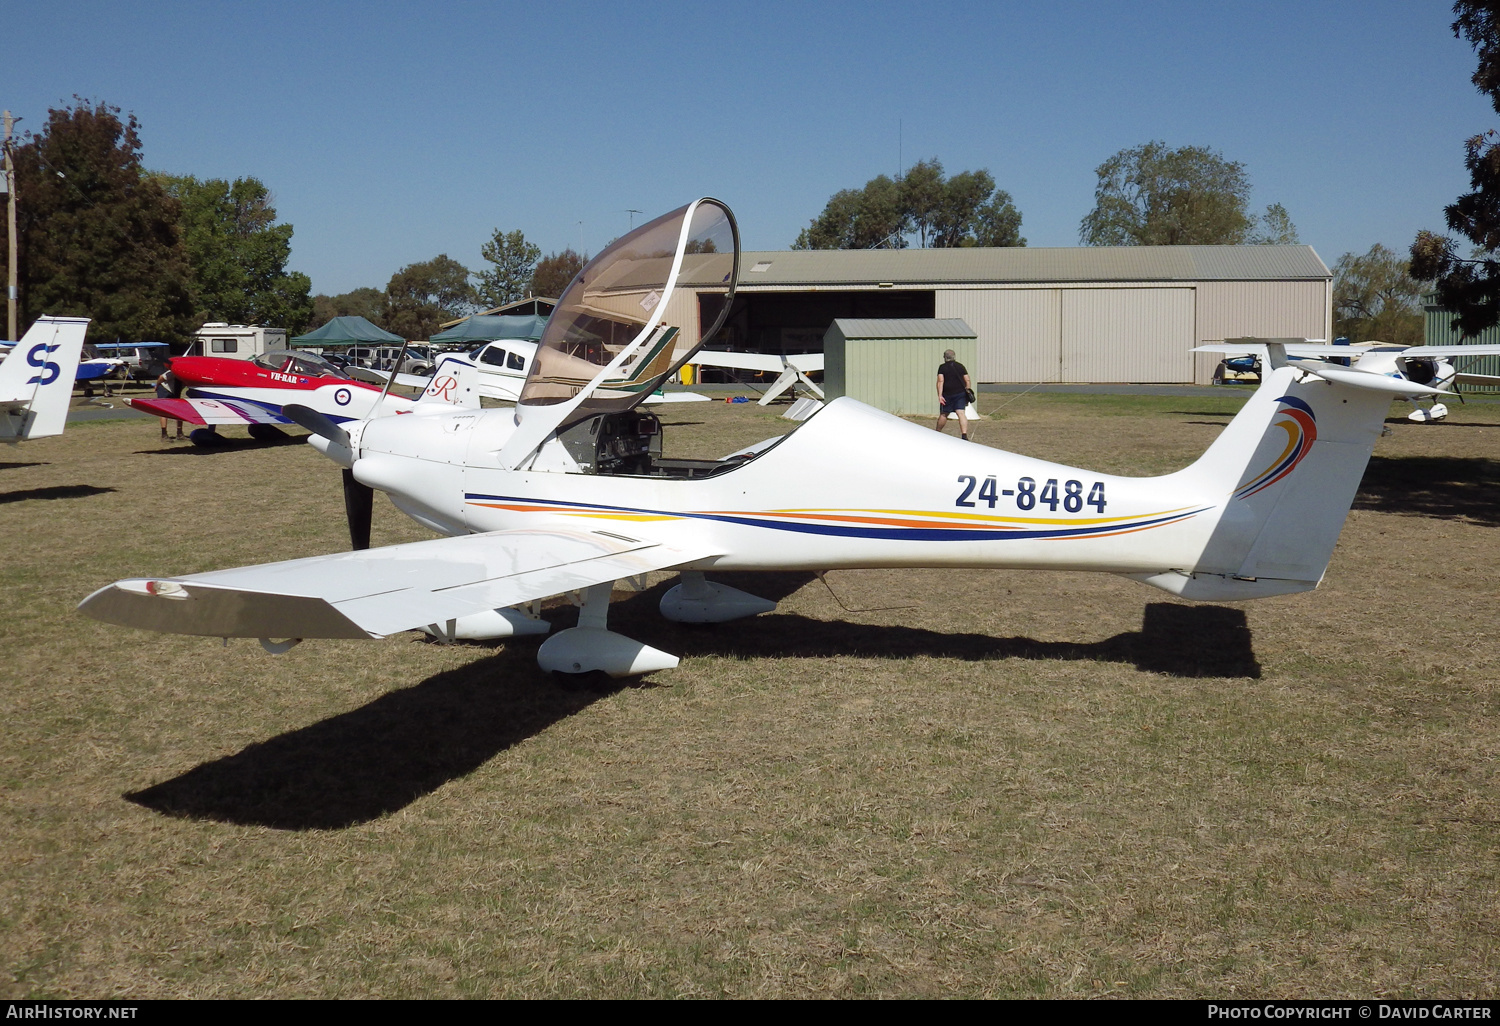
(455, 382)
(1284, 474)
(36, 379)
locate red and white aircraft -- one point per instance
(222, 391)
(569, 492)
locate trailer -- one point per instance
(236, 341)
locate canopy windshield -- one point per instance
(620, 303)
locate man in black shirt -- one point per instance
(953, 393)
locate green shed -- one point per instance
(892, 363)
(1438, 330)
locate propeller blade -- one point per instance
(317, 423)
(365, 374)
(359, 506)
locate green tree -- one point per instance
(922, 193)
(1375, 298)
(1276, 228)
(997, 223)
(1150, 195)
(365, 302)
(420, 297)
(868, 218)
(97, 237)
(554, 271)
(965, 210)
(239, 253)
(512, 262)
(1470, 286)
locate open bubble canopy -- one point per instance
(615, 313)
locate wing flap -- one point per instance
(377, 592)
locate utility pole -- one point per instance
(10, 191)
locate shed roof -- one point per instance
(903, 327)
(1024, 264)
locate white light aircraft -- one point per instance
(502, 372)
(1432, 366)
(790, 370)
(568, 493)
(36, 379)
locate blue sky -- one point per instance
(391, 132)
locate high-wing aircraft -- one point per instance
(568, 492)
(1440, 367)
(790, 370)
(221, 391)
(36, 379)
(502, 373)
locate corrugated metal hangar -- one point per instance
(1084, 314)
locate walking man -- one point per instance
(953, 393)
(168, 387)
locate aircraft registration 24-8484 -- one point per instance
(568, 492)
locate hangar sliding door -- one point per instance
(1127, 335)
(1019, 331)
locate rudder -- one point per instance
(36, 379)
(1285, 473)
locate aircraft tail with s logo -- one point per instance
(1284, 474)
(36, 379)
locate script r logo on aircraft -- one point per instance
(1301, 427)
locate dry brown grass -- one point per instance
(1006, 784)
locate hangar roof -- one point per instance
(1027, 264)
(903, 327)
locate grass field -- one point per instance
(898, 784)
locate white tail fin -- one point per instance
(1284, 474)
(455, 382)
(36, 379)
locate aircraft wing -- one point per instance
(1449, 352)
(675, 397)
(377, 592)
(765, 363)
(209, 411)
(1307, 350)
(379, 377)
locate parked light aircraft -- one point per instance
(502, 372)
(790, 370)
(222, 392)
(568, 492)
(1425, 365)
(36, 379)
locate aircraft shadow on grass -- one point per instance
(1178, 640)
(374, 760)
(54, 492)
(225, 445)
(371, 761)
(18, 466)
(1445, 487)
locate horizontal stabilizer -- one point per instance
(1369, 381)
